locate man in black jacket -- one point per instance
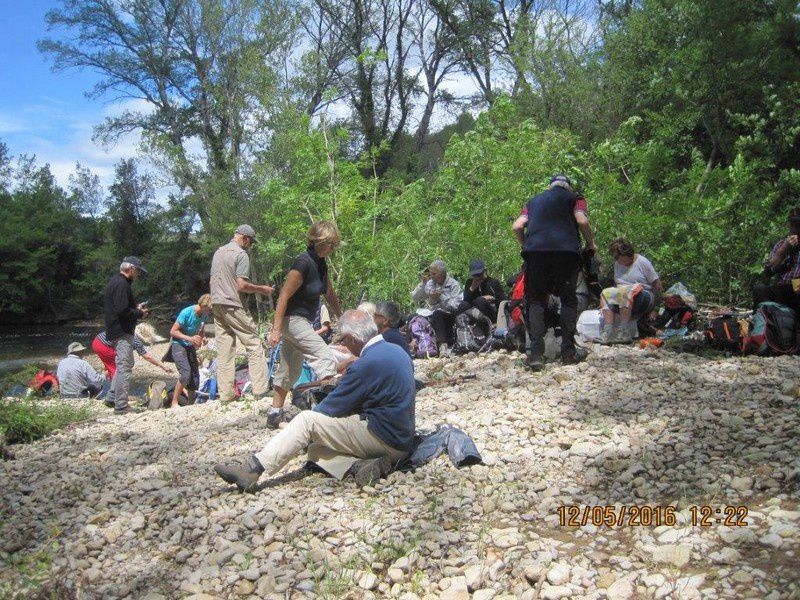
(481, 291)
(121, 314)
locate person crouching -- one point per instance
(365, 425)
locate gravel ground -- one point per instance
(129, 506)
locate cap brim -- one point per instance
(142, 269)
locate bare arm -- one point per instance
(334, 300)
(519, 228)
(176, 334)
(586, 229)
(293, 282)
(154, 361)
(658, 291)
(246, 287)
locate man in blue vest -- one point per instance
(548, 230)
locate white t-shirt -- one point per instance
(641, 271)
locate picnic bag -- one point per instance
(157, 395)
(472, 331)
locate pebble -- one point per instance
(137, 495)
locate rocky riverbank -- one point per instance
(129, 506)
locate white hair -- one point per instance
(359, 325)
(367, 307)
(147, 332)
(438, 266)
(125, 266)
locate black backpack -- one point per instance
(473, 330)
(726, 333)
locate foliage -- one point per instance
(23, 421)
(18, 378)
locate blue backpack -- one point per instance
(772, 332)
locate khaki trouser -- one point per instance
(334, 443)
(301, 341)
(232, 324)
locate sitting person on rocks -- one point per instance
(76, 377)
(442, 294)
(784, 261)
(387, 318)
(481, 291)
(637, 292)
(364, 426)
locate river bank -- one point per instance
(130, 507)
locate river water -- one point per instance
(41, 344)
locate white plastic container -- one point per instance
(588, 327)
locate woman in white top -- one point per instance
(638, 291)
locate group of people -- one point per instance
(365, 426)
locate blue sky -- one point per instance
(46, 113)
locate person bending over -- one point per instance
(76, 377)
(365, 425)
(187, 335)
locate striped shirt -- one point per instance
(138, 343)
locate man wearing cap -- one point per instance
(76, 377)
(230, 281)
(784, 261)
(481, 291)
(121, 315)
(548, 230)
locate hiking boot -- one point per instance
(109, 403)
(370, 470)
(244, 476)
(575, 357)
(535, 362)
(274, 418)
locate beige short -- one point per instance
(300, 341)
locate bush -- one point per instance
(23, 421)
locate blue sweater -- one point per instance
(379, 387)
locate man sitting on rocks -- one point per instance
(368, 416)
(76, 377)
(481, 291)
(783, 262)
(442, 294)
(387, 318)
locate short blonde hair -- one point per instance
(323, 232)
(147, 332)
(204, 301)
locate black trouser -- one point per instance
(442, 323)
(553, 273)
(486, 307)
(782, 293)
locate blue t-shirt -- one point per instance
(190, 323)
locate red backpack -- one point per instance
(43, 382)
(516, 300)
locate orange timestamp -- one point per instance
(626, 515)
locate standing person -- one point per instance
(387, 318)
(443, 295)
(547, 230)
(481, 291)
(306, 282)
(784, 261)
(121, 314)
(76, 377)
(187, 336)
(230, 281)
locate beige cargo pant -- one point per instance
(301, 341)
(333, 443)
(231, 325)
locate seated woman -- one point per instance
(638, 291)
(187, 337)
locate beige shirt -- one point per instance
(230, 261)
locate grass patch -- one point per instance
(18, 379)
(23, 421)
